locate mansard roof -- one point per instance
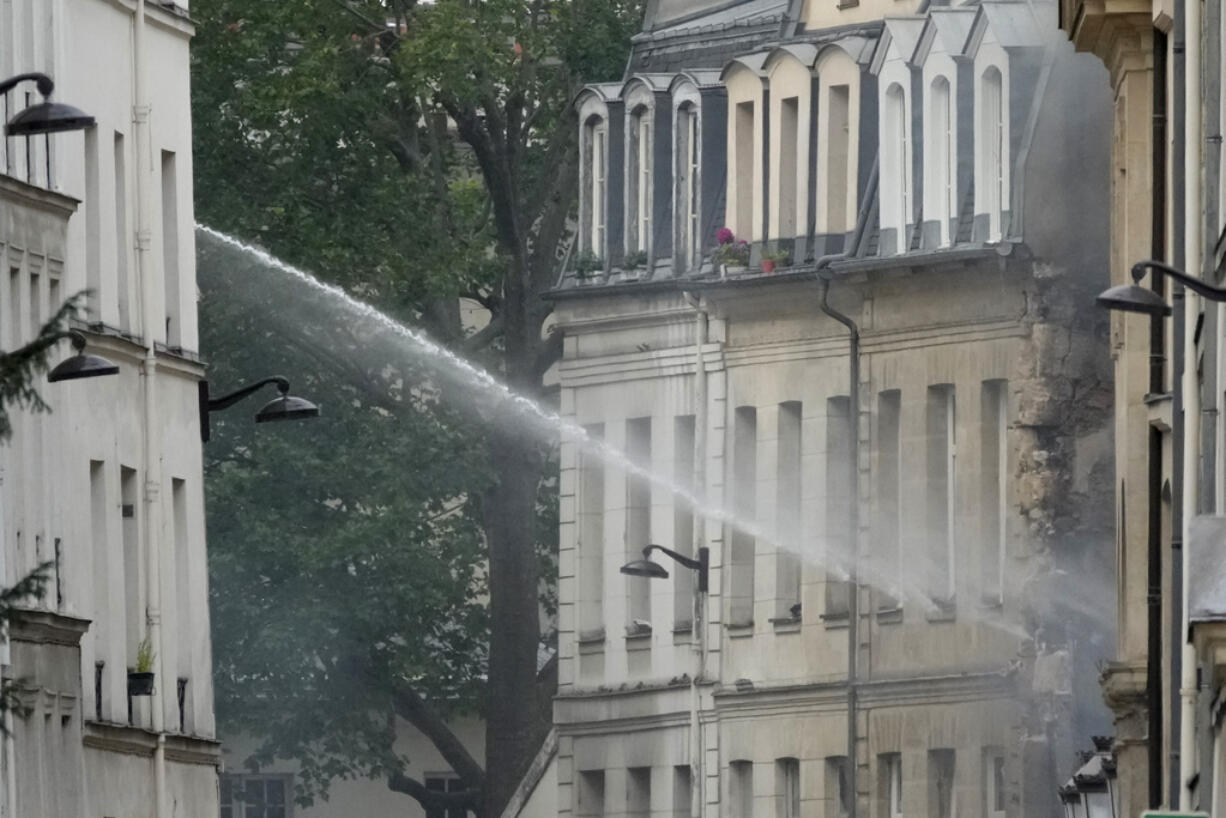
(704, 79)
(1007, 23)
(657, 83)
(603, 91)
(945, 31)
(750, 62)
(898, 40)
(804, 53)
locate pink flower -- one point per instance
(724, 235)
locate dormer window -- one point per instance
(595, 152)
(992, 149)
(940, 164)
(895, 167)
(638, 176)
(689, 250)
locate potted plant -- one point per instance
(140, 678)
(587, 263)
(731, 255)
(772, 260)
(636, 260)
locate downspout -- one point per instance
(853, 507)
(701, 333)
(10, 744)
(1191, 391)
(1157, 337)
(145, 270)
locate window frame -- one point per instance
(238, 808)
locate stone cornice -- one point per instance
(23, 194)
(118, 738)
(47, 627)
(1118, 32)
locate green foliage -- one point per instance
(587, 263)
(20, 368)
(144, 656)
(345, 560)
(636, 260)
(732, 253)
(780, 257)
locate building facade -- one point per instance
(933, 181)
(107, 486)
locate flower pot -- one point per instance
(768, 265)
(140, 684)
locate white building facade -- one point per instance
(107, 487)
(915, 169)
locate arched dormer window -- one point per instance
(895, 167)
(744, 208)
(838, 140)
(941, 160)
(638, 180)
(595, 185)
(992, 152)
(788, 70)
(687, 181)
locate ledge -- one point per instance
(47, 627)
(740, 630)
(836, 621)
(889, 616)
(137, 741)
(786, 624)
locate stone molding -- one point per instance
(44, 627)
(23, 194)
(137, 741)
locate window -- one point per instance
(787, 512)
(445, 783)
(591, 540)
(638, 792)
(170, 247)
(183, 596)
(994, 152)
(941, 790)
(838, 787)
(896, 167)
(993, 484)
(102, 586)
(787, 788)
(994, 784)
(838, 496)
(134, 605)
(838, 180)
(740, 789)
(15, 334)
(890, 767)
(942, 455)
(683, 791)
(683, 519)
(744, 124)
(595, 135)
(590, 794)
(888, 521)
(639, 176)
(93, 225)
(122, 274)
(789, 165)
(256, 796)
(688, 206)
(638, 524)
(941, 163)
(744, 488)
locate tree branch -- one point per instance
(434, 799)
(483, 337)
(413, 709)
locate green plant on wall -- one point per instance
(144, 656)
(636, 260)
(588, 263)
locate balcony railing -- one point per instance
(27, 158)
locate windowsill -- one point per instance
(591, 642)
(638, 641)
(991, 604)
(889, 616)
(946, 611)
(848, 4)
(740, 630)
(786, 624)
(836, 621)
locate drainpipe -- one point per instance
(1157, 361)
(146, 270)
(701, 333)
(853, 507)
(1191, 391)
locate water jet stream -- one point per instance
(549, 424)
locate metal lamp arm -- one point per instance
(226, 401)
(45, 85)
(692, 564)
(1193, 284)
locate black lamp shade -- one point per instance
(1133, 298)
(82, 366)
(286, 407)
(645, 568)
(48, 117)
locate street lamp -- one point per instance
(47, 116)
(654, 570)
(1090, 793)
(1135, 298)
(81, 365)
(283, 407)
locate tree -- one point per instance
(324, 130)
(19, 372)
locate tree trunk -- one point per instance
(513, 722)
